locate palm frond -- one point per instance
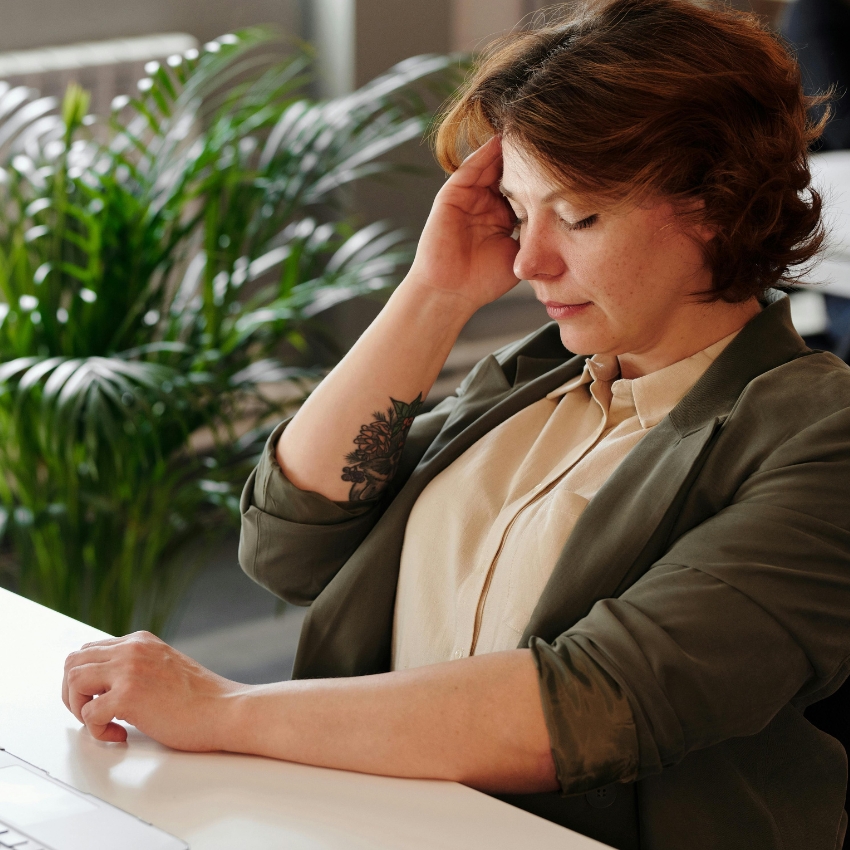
(158, 270)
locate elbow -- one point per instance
(529, 772)
(282, 574)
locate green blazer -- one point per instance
(700, 604)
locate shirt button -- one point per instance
(458, 653)
(601, 798)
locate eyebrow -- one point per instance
(508, 194)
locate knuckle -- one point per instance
(130, 652)
(137, 643)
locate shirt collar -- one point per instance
(655, 394)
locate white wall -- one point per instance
(475, 22)
(39, 23)
(358, 39)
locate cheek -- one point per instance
(638, 266)
(610, 268)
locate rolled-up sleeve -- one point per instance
(590, 722)
(748, 611)
(294, 541)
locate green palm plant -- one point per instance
(158, 271)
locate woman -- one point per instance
(604, 578)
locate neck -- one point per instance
(696, 328)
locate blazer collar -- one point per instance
(768, 340)
(495, 390)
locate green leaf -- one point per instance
(75, 106)
(160, 271)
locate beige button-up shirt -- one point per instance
(485, 534)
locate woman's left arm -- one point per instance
(477, 720)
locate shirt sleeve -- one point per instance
(293, 541)
(748, 611)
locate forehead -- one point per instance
(525, 178)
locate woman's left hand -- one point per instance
(142, 680)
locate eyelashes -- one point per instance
(584, 223)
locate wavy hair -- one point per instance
(625, 99)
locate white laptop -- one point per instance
(37, 812)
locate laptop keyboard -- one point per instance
(11, 838)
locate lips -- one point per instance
(557, 310)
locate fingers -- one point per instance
(143, 681)
(98, 715)
(135, 637)
(482, 168)
(86, 681)
(90, 653)
(99, 651)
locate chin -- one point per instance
(580, 343)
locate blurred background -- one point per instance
(217, 615)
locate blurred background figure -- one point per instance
(820, 32)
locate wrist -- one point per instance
(432, 306)
(231, 722)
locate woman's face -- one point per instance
(616, 282)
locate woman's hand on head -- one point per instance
(145, 682)
(466, 246)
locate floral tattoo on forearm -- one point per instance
(379, 447)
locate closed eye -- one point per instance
(585, 222)
(589, 221)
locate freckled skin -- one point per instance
(639, 268)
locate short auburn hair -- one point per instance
(624, 99)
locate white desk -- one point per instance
(217, 801)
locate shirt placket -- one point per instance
(472, 595)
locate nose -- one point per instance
(539, 256)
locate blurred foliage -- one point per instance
(158, 270)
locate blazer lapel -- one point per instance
(626, 526)
(489, 400)
(622, 529)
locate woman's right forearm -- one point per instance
(345, 440)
